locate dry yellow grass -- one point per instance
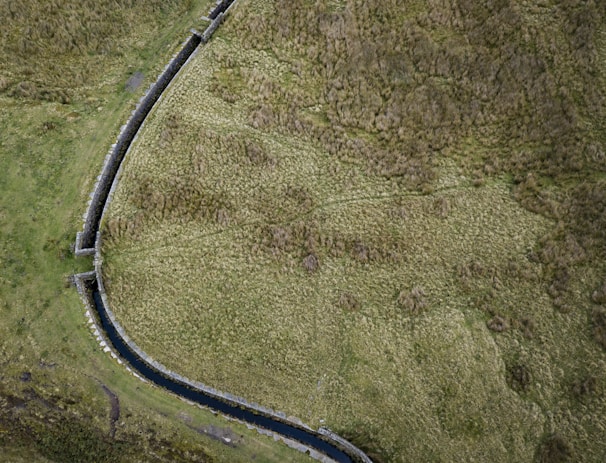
(248, 257)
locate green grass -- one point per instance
(50, 154)
(427, 233)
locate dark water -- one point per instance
(301, 435)
(221, 7)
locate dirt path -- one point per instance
(114, 413)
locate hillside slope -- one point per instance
(386, 217)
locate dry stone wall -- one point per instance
(85, 240)
(88, 242)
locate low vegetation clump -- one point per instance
(383, 217)
(555, 449)
(599, 326)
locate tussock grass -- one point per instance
(381, 217)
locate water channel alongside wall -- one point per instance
(322, 444)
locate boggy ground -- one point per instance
(384, 218)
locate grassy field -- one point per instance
(388, 219)
(63, 70)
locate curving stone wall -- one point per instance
(85, 240)
(88, 242)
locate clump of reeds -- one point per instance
(584, 387)
(311, 263)
(348, 302)
(598, 296)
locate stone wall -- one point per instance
(92, 218)
(85, 241)
(88, 242)
(212, 28)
